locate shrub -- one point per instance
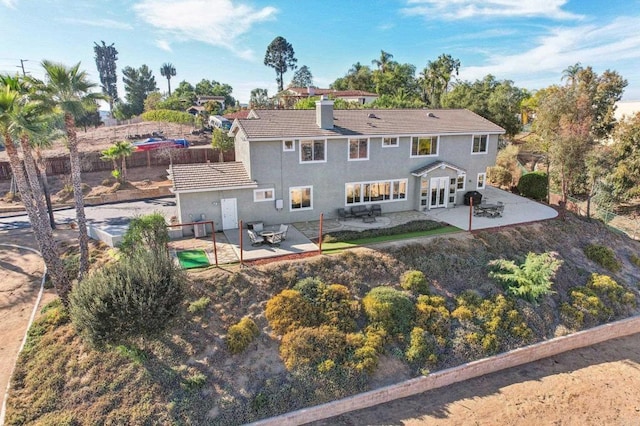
(635, 259)
(415, 282)
(198, 306)
(289, 310)
(418, 350)
(390, 308)
(168, 115)
(134, 297)
(311, 347)
(603, 256)
(533, 185)
(145, 232)
(500, 176)
(310, 288)
(338, 307)
(240, 335)
(433, 316)
(368, 347)
(531, 280)
(599, 301)
(488, 326)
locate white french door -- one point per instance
(439, 189)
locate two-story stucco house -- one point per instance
(292, 165)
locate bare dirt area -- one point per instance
(20, 276)
(597, 385)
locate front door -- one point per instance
(439, 188)
(229, 213)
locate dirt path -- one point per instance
(598, 385)
(20, 277)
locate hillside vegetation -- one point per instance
(240, 349)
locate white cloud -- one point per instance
(600, 47)
(104, 23)
(9, 3)
(465, 9)
(216, 22)
(164, 45)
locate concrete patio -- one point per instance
(517, 209)
(295, 243)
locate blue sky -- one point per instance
(528, 41)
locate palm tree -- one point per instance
(19, 118)
(168, 70)
(384, 61)
(119, 150)
(571, 73)
(68, 88)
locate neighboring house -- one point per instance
(626, 109)
(289, 96)
(293, 165)
(196, 110)
(202, 100)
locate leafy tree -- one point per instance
(281, 57)
(167, 71)
(90, 117)
(624, 179)
(396, 78)
(213, 88)
(153, 101)
(18, 120)
(69, 89)
(221, 141)
(497, 101)
(106, 57)
(359, 77)
(145, 232)
(531, 280)
(259, 99)
(138, 84)
(533, 185)
(435, 78)
(302, 77)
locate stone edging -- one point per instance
(460, 373)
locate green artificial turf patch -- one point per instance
(193, 259)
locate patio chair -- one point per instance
(344, 214)
(376, 210)
(258, 227)
(283, 230)
(256, 239)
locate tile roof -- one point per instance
(276, 124)
(209, 176)
(436, 164)
(304, 92)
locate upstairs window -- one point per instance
(288, 145)
(358, 149)
(424, 145)
(480, 144)
(313, 151)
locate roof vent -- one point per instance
(432, 115)
(371, 115)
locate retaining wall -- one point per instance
(461, 373)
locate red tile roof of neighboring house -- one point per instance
(241, 115)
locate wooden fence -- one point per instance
(91, 161)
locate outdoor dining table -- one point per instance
(489, 210)
(272, 237)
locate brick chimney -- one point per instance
(324, 113)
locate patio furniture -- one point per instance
(489, 210)
(283, 231)
(273, 238)
(376, 210)
(368, 219)
(344, 214)
(256, 239)
(359, 211)
(258, 227)
(257, 223)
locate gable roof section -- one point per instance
(304, 92)
(276, 124)
(209, 177)
(422, 171)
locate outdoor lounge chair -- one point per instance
(256, 239)
(258, 228)
(283, 230)
(344, 214)
(376, 210)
